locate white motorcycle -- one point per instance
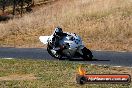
(71, 46)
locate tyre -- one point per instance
(55, 55)
(87, 54)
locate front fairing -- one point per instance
(73, 40)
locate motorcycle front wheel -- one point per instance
(53, 54)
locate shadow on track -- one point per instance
(87, 60)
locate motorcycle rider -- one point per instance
(57, 36)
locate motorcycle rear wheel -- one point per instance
(87, 54)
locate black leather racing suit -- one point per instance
(57, 37)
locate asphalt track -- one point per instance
(103, 57)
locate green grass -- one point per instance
(53, 74)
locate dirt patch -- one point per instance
(18, 77)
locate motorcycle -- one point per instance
(70, 46)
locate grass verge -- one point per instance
(52, 74)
